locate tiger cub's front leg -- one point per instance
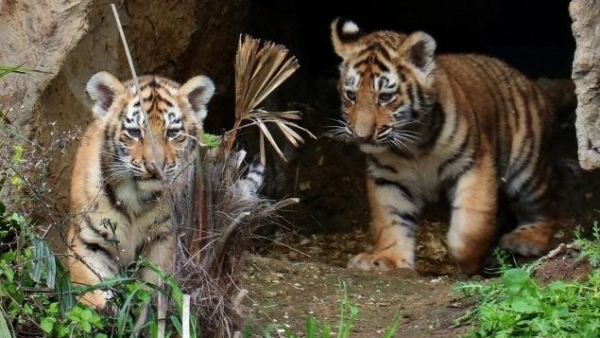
(394, 211)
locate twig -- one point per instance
(161, 312)
(162, 304)
(186, 316)
(220, 244)
(157, 166)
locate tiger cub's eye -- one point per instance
(134, 132)
(385, 97)
(171, 133)
(350, 95)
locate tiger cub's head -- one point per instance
(152, 148)
(386, 85)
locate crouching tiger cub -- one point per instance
(465, 125)
(119, 178)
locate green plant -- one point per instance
(348, 315)
(590, 249)
(36, 295)
(517, 306)
(35, 290)
(5, 70)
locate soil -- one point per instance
(303, 276)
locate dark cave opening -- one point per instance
(533, 36)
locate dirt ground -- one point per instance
(301, 275)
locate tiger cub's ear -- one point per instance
(419, 50)
(344, 35)
(103, 88)
(198, 91)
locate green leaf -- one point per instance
(18, 154)
(87, 328)
(62, 331)
(16, 181)
(124, 312)
(10, 275)
(38, 258)
(177, 323)
(64, 289)
(211, 141)
(18, 69)
(17, 219)
(523, 306)
(51, 268)
(47, 324)
(515, 277)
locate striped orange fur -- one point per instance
(465, 126)
(120, 181)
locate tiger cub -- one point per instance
(467, 126)
(120, 179)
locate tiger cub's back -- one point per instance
(511, 110)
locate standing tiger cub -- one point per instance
(120, 179)
(465, 125)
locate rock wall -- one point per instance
(39, 35)
(586, 75)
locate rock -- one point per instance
(586, 72)
(39, 35)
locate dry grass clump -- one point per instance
(224, 205)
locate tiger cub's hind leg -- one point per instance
(532, 203)
(472, 224)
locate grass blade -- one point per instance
(5, 70)
(4, 329)
(390, 330)
(311, 327)
(124, 316)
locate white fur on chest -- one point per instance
(420, 175)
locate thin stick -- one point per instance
(186, 316)
(162, 302)
(157, 166)
(220, 244)
(161, 312)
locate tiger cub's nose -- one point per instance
(364, 139)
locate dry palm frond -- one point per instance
(259, 69)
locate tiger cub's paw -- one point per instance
(99, 300)
(529, 240)
(379, 261)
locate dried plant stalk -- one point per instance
(224, 217)
(259, 69)
(148, 130)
